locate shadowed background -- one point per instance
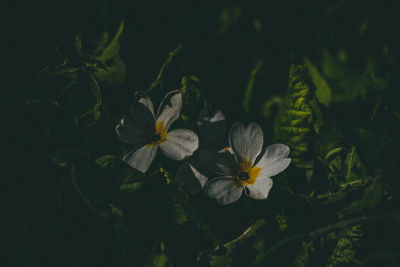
(352, 46)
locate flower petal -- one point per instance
(142, 111)
(212, 127)
(148, 103)
(276, 152)
(180, 144)
(221, 163)
(170, 108)
(189, 176)
(260, 189)
(274, 160)
(133, 132)
(224, 190)
(137, 128)
(141, 158)
(246, 142)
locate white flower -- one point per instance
(148, 132)
(212, 128)
(240, 171)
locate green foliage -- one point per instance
(229, 16)
(345, 250)
(303, 256)
(78, 204)
(158, 257)
(294, 123)
(337, 77)
(250, 241)
(323, 91)
(77, 68)
(250, 86)
(193, 99)
(371, 197)
(158, 81)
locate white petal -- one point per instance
(221, 163)
(224, 190)
(191, 178)
(260, 189)
(141, 112)
(275, 168)
(212, 127)
(170, 108)
(276, 152)
(180, 144)
(141, 158)
(134, 132)
(137, 128)
(148, 103)
(274, 160)
(246, 142)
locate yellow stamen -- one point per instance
(253, 173)
(161, 131)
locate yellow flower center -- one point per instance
(159, 136)
(247, 174)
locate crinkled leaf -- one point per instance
(371, 198)
(303, 256)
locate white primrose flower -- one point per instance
(244, 169)
(192, 174)
(148, 132)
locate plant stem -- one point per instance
(164, 65)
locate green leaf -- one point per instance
(112, 50)
(303, 256)
(91, 117)
(331, 197)
(250, 86)
(157, 258)
(345, 249)
(193, 100)
(293, 125)
(275, 101)
(331, 68)
(133, 187)
(106, 161)
(371, 198)
(220, 261)
(228, 16)
(351, 161)
(328, 143)
(373, 79)
(59, 159)
(116, 73)
(323, 92)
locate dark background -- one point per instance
(46, 222)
